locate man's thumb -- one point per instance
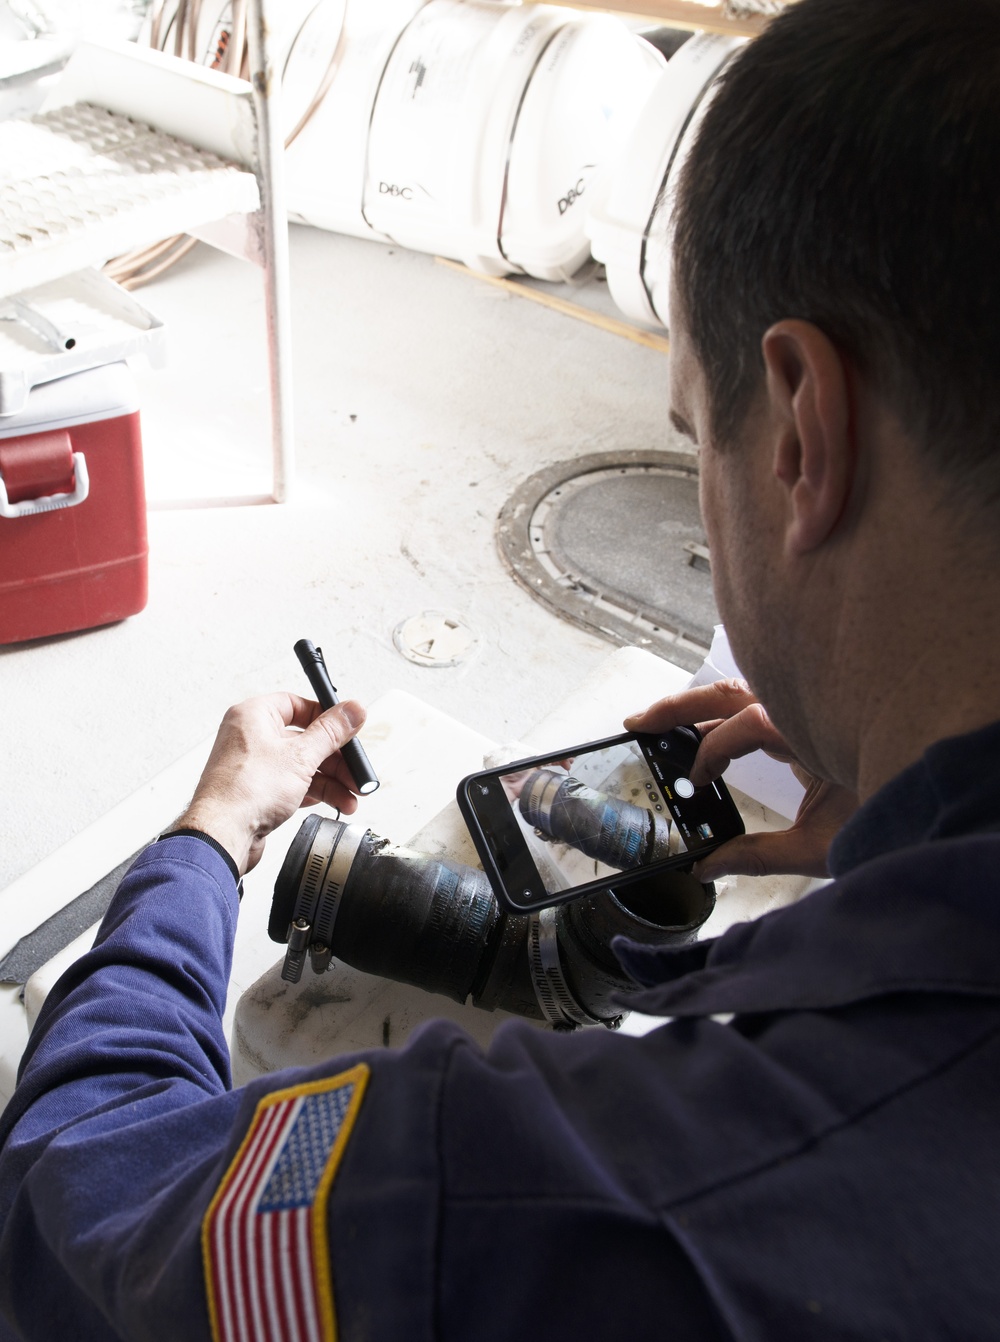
(739, 857)
(785, 852)
(334, 727)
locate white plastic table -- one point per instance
(420, 754)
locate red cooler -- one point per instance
(73, 549)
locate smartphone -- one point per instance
(560, 825)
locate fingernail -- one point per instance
(705, 872)
(633, 717)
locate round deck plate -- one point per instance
(435, 638)
(613, 542)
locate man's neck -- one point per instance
(931, 665)
(927, 703)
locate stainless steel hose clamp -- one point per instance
(559, 1007)
(317, 900)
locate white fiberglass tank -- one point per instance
(578, 111)
(628, 225)
(490, 126)
(325, 165)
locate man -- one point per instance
(807, 1148)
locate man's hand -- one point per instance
(513, 784)
(734, 723)
(271, 756)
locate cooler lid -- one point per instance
(79, 322)
(82, 398)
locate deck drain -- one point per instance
(613, 542)
(435, 638)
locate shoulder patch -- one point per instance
(263, 1239)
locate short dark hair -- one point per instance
(848, 174)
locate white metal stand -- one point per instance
(134, 145)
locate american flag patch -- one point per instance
(264, 1241)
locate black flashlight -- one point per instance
(358, 764)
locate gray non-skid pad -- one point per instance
(52, 936)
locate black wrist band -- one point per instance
(212, 843)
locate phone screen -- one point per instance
(587, 816)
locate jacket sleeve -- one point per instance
(128, 1044)
(471, 1189)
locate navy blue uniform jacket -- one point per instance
(825, 1165)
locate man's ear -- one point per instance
(809, 392)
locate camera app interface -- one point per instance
(593, 815)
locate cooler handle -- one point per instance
(49, 503)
